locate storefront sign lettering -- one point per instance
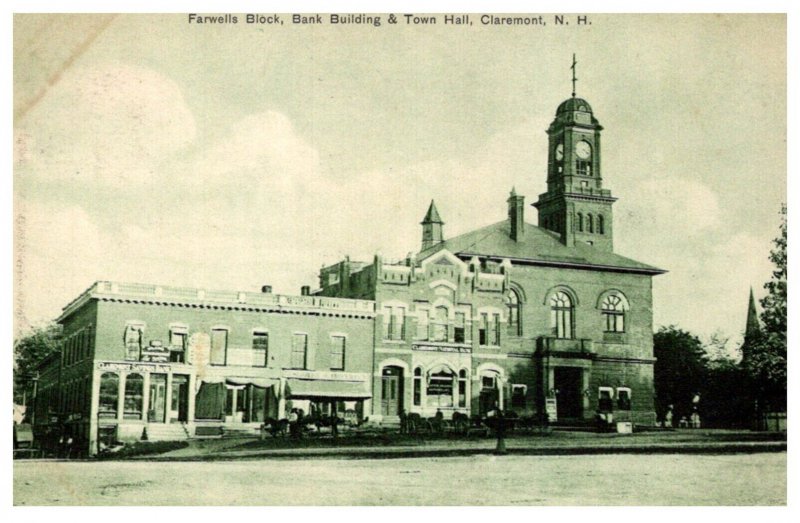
(442, 348)
(551, 408)
(133, 367)
(322, 375)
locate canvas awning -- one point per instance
(258, 382)
(350, 390)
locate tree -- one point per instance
(680, 369)
(766, 352)
(29, 350)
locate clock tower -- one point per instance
(575, 205)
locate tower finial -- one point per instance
(574, 79)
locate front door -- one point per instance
(391, 401)
(157, 405)
(569, 398)
(179, 410)
(235, 404)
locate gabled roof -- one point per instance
(538, 247)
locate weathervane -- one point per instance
(574, 63)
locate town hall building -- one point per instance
(543, 320)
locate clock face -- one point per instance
(560, 151)
(583, 149)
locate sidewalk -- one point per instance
(552, 443)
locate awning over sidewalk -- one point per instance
(326, 389)
(258, 382)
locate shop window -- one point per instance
(260, 349)
(134, 389)
(462, 388)
(109, 394)
(337, 352)
(133, 341)
(623, 398)
(219, 346)
(417, 387)
(299, 350)
(440, 389)
(613, 309)
(439, 324)
(518, 396)
(561, 315)
(605, 399)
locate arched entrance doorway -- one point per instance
(391, 391)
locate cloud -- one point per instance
(110, 124)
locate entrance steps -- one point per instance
(167, 431)
(243, 430)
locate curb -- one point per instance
(401, 453)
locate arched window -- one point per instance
(600, 224)
(561, 315)
(514, 313)
(440, 388)
(417, 387)
(579, 221)
(462, 388)
(613, 308)
(589, 223)
(109, 393)
(134, 389)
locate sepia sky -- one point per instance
(149, 149)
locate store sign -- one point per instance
(322, 375)
(551, 409)
(133, 367)
(441, 348)
(155, 353)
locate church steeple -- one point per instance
(753, 327)
(576, 206)
(432, 228)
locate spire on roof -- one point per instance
(432, 216)
(753, 327)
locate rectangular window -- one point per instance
(583, 167)
(219, 346)
(422, 324)
(133, 341)
(394, 323)
(483, 331)
(177, 344)
(496, 337)
(337, 352)
(459, 329)
(260, 349)
(439, 324)
(299, 349)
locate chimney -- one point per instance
(516, 216)
(305, 290)
(266, 289)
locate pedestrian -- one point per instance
(668, 417)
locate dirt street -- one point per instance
(738, 479)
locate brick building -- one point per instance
(541, 320)
(534, 318)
